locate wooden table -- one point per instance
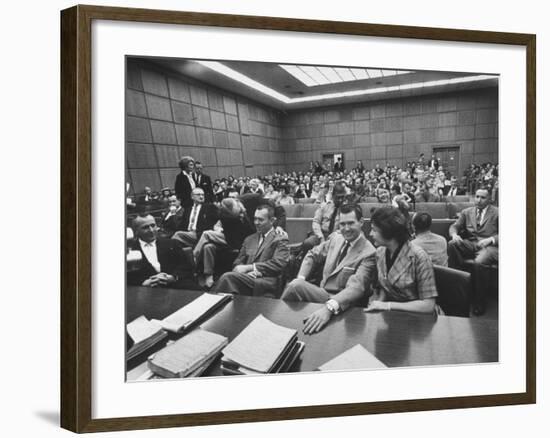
(398, 339)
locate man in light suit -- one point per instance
(340, 256)
(474, 235)
(261, 260)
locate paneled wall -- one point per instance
(169, 116)
(396, 131)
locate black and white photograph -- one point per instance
(292, 218)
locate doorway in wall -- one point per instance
(449, 157)
(330, 159)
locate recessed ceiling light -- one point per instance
(243, 79)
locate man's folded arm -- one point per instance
(315, 256)
(241, 257)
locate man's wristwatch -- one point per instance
(333, 306)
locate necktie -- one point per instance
(478, 217)
(193, 218)
(343, 253)
(261, 241)
(332, 220)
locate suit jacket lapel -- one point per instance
(331, 261)
(488, 213)
(144, 257)
(473, 215)
(352, 254)
(265, 243)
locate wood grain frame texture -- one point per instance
(76, 177)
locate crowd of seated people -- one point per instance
(482, 175)
(229, 236)
(419, 181)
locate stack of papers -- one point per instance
(196, 310)
(145, 334)
(189, 356)
(262, 347)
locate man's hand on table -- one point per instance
(316, 321)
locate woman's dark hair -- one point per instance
(396, 188)
(391, 223)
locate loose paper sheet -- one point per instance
(356, 358)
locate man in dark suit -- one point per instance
(147, 196)
(172, 218)
(308, 185)
(196, 219)
(154, 261)
(434, 163)
(204, 182)
(185, 182)
(224, 191)
(453, 189)
(474, 235)
(339, 165)
(261, 260)
(339, 256)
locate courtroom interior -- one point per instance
(318, 201)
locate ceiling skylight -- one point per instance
(312, 76)
(245, 80)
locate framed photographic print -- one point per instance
(267, 218)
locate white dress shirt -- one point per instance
(150, 251)
(483, 212)
(193, 217)
(263, 236)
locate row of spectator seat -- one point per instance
(299, 217)
(438, 210)
(370, 200)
